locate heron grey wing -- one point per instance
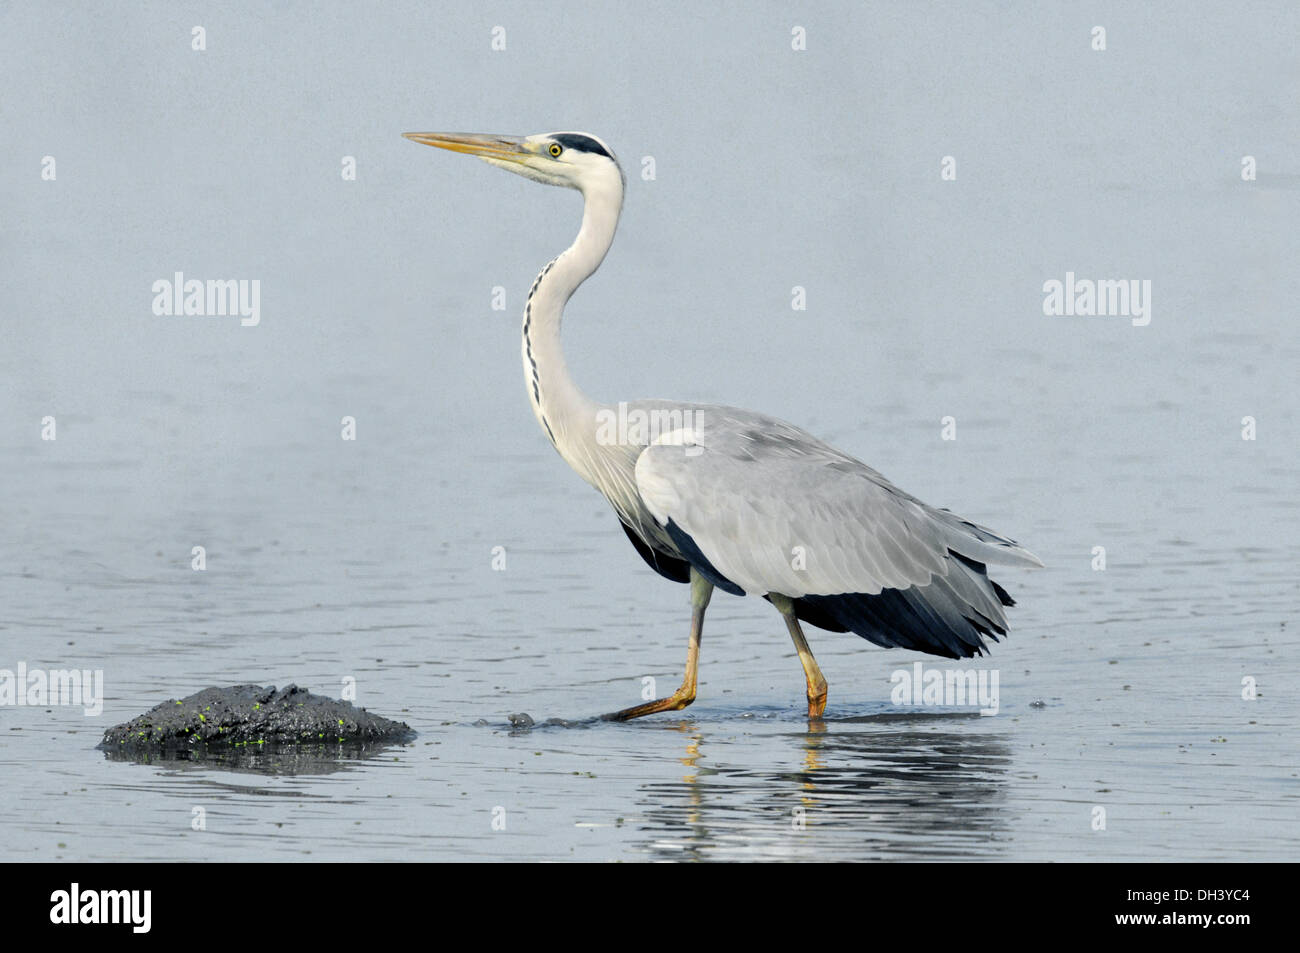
(781, 512)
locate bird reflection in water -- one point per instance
(923, 786)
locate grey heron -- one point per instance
(724, 498)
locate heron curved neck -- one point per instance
(565, 413)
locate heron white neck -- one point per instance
(566, 414)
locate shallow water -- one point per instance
(372, 560)
(1118, 689)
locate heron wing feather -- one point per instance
(775, 510)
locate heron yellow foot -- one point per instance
(812, 673)
(674, 702)
(701, 590)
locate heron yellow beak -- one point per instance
(503, 148)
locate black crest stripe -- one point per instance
(571, 140)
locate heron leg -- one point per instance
(701, 590)
(816, 681)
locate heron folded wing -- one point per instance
(778, 515)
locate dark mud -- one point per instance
(253, 717)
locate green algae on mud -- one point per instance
(252, 717)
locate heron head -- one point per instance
(575, 160)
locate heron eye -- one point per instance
(555, 150)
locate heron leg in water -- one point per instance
(701, 590)
(816, 682)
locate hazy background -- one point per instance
(774, 169)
